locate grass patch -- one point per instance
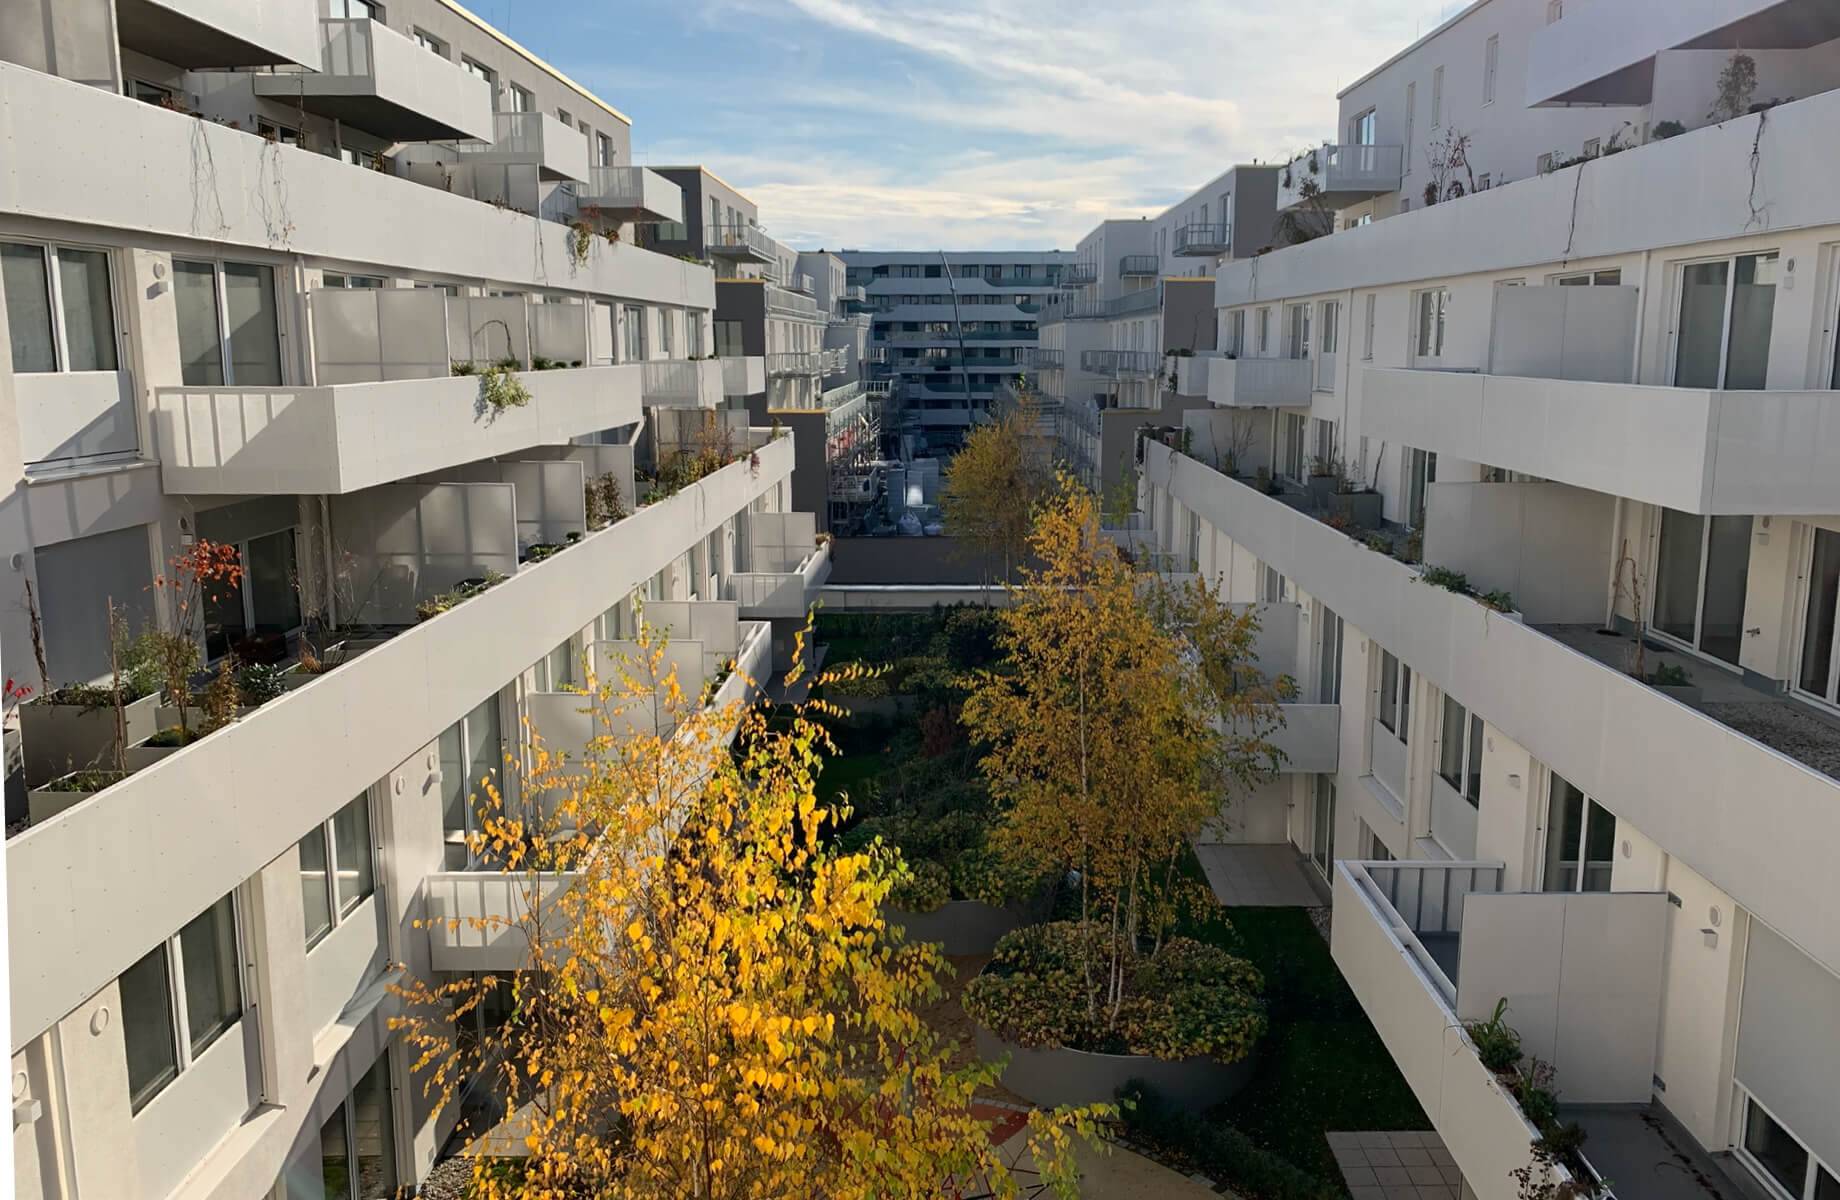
(1321, 1067)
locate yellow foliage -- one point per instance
(710, 1005)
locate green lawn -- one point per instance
(1322, 1066)
(860, 758)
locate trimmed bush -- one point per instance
(925, 888)
(1219, 1151)
(1186, 999)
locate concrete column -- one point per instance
(93, 1082)
(275, 928)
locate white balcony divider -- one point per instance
(715, 625)
(551, 502)
(72, 415)
(476, 918)
(367, 335)
(405, 542)
(485, 329)
(635, 189)
(1259, 382)
(684, 383)
(559, 332)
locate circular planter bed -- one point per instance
(963, 927)
(1056, 1075)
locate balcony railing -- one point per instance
(1203, 240)
(806, 362)
(738, 240)
(557, 150)
(1119, 364)
(375, 79)
(1342, 174)
(1079, 274)
(634, 190)
(1133, 265)
(683, 383)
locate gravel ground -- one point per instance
(1801, 736)
(448, 1180)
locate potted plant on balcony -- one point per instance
(1107, 672)
(1326, 476)
(82, 725)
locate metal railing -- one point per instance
(1079, 274)
(1143, 300)
(1139, 264)
(800, 282)
(796, 362)
(345, 46)
(1200, 238)
(1119, 363)
(1354, 168)
(1425, 900)
(739, 239)
(1039, 358)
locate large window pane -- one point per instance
(1728, 568)
(255, 331)
(351, 836)
(1599, 847)
(273, 578)
(335, 1157)
(1677, 574)
(1701, 332)
(89, 312)
(147, 1027)
(1818, 625)
(1774, 1149)
(1753, 311)
(1564, 828)
(1389, 692)
(376, 1135)
(213, 991)
(1450, 744)
(28, 307)
(201, 362)
(454, 790)
(315, 899)
(1472, 782)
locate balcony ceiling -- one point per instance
(369, 113)
(171, 36)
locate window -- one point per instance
(1329, 636)
(333, 279)
(1411, 119)
(1610, 278)
(1322, 824)
(1362, 129)
(429, 42)
(1274, 588)
(479, 70)
(1726, 314)
(1815, 674)
(354, 10)
(1372, 848)
(519, 99)
(1432, 310)
(603, 150)
(229, 325)
(1555, 11)
(1264, 328)
(632, 327)
(179, 998)
(562, 114)
(1580, 841)
(1367, 329)
(264, 607)
(60, 305)
(1395, 696)
(149, 93)
(337, 869)
(1702, 570)
(357, 1144)
(1543, 165)
(1483, 182)
(1236, 334)
(667, 322)
(693, 330)
(1292, 430)
(1421, 473)
(471, 753)
(278, 133)
(1460, 752)
(1298, 335)
(1437, 97)
(1592, 147)
(1491, 62)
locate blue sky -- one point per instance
(965, 123)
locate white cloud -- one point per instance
(1123, 100)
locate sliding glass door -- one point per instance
(1580, 841)
(1816, 673)
(1727, 310)
(1701, 576)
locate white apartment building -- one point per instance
(1135, 303)
(949, 331)
(211, 333)
(1609, 397)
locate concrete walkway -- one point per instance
(1258, 876)
(1115, 1173)
(1404, 1165)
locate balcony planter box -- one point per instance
(1322, 487)
(1686, 693)
(1056, 1075)
(57, 739)
(1363, 509)
(46, 802)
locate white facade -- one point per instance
(1606, 396)
(242, 334)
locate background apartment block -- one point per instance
(233, 311)
(948, 332)
(1606, 396)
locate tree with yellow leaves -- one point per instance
(711, 1006)
(991, 487)
(1129, 710)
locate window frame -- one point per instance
(1430, 311)
(185, 1055)
(1395, 697)
(221, 300)
(505, 781)
(54, 301)
(1491, 68)
(1470, 737)
(428, 41)
(338, 913)
(1811, 1171)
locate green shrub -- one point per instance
(258, 683)
(1187, 998)
(1497, 1043)
(924, 889)
(1219, 1151)
(993, 875)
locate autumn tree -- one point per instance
(1129, 710)
(992, 485)
(710, 1005)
